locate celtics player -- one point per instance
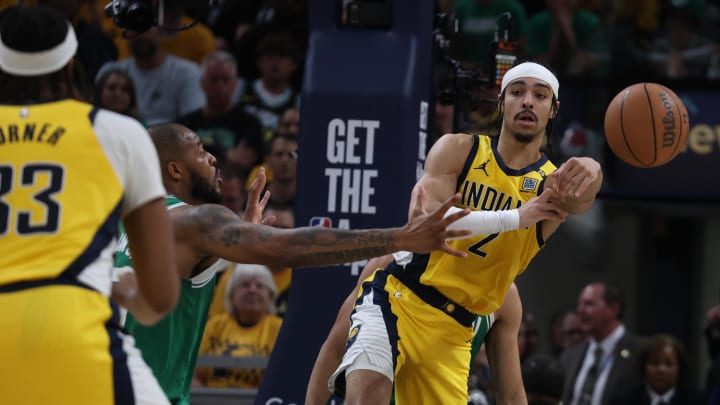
(499, 331)
(415, 327)
(205, 231)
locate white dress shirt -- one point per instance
(608, 345)
(657, 399)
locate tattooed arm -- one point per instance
(213, 230)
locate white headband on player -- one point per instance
(38, 63)
(534, 70)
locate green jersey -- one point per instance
(481, 327)
(170, 347)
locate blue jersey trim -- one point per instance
(468, 161)
(516, 172)
(103, 236)
(122, 383)
(93, 114)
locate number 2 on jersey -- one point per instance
(475, 249)
(29, 174)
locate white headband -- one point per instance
(534, 70)
(38, 63)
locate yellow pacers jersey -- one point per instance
(479, 282)
(59, 195)
(224, 336)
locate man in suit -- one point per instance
(602, 370)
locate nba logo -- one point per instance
(325, 222)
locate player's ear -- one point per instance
(554, 110)
(173, 170)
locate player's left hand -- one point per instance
(256, 205)
(426, 232)
(575, 177)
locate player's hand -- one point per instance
(428, 232)
(540, 208)
(575, 177)
(256, 205)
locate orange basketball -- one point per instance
(646, 125)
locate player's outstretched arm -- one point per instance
(333, 349)
(536, 209)
(216, 231)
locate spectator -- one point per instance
(630, 27)
(601, 371)
(234, 195)
(268, 97)
(115, 91)
(478, 21)
(249, 328)
(220, 123)
(681, 51)
(543, 379)
(565, 38)
(289, 123)
(166, 86)
(243, 24)
(282, 165)
(663, 365)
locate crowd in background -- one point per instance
(235, 78)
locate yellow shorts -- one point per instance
(425, 350)
(60, 344)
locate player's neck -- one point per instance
(181, 195)
(516, 154)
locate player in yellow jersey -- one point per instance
(68, 174)
(415, 321)
(499, 331)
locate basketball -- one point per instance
(646, 125)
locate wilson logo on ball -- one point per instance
(669, 121)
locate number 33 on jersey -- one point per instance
(45, 168)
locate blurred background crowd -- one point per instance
(235, 78)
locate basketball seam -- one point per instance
(652, 120)
(622, 129)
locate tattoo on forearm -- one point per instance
(337, 246)
(307, 246)
(219, 224)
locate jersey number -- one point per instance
(475, 249)
(28, 176)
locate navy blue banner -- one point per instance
(365, 106)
